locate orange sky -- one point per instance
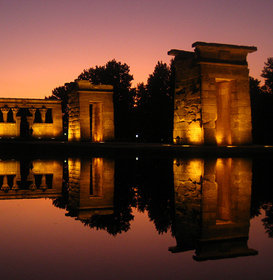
(45, 44)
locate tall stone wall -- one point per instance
(187, 105)
(188, 202)
(74, 127)
(212, 100)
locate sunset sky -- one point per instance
(45, 44)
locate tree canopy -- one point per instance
(155, 105)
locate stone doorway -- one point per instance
(223, 177)
(24, 124)
(24, 127)
(95, 115)
(91, 120)
(223, 127)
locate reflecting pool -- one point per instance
(136, 218)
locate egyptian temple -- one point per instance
(211, 103)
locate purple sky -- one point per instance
(45, 44)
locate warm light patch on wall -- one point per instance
(196, 135)
(192, 169)
(196, 167)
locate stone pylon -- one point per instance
(212, 100)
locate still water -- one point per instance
(136, 218)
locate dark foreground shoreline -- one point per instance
(63, 149)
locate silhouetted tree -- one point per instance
(155, 101)
(268, 220)
(267, 73)
(155, 192)
(61, 93)
(261, 106)
(118, 75)
(256, 110)
(267, 101)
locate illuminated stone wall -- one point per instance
(212, 101)
(212, 202)
(91, 112)
(30, 179)
(36, 118)
(91, 186)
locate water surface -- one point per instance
(136, 218)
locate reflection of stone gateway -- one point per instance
(91, 187)
(212, 101)
(212, 201)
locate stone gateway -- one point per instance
(212, 100)
(91, 112)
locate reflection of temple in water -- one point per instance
(91, 183)
(212, 201)
(212, 198)
(91, 187)
(30, 179)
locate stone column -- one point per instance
(5, 186)
(5, 111)
(30, 120)
(14, 112)
(33, 187)
(17, 120)
(15, 186)
(32, 111)
(43, 185)
(18, 123)
(43, 114)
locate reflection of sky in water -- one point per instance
(46, 244)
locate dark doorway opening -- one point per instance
(90, 118)
(24, 125)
